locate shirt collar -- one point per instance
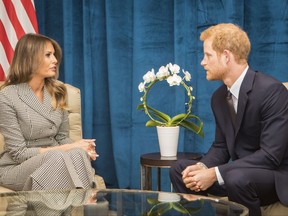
(235, 88)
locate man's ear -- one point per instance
(228, 56)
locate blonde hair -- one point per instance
(230, 37)
(26, 60)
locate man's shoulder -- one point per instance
(263, 80)
(261, 76)
(258, 80)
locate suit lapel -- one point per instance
(29, 98)
(245, 88)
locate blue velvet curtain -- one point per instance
(109, 45)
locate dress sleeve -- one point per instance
(62, 136)
(15, 143)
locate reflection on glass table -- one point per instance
(110, 202)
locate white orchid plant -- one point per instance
(170, 73)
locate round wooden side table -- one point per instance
(154, 160)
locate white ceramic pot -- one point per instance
(168, 197)
(168, 138)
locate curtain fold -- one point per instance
(109, 45)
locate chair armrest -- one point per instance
(99, 181)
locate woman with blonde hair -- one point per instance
(38, 153)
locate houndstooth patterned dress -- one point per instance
(28, 124)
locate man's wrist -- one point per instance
(219, 177)
(202, 165)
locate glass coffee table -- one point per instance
(110, 202)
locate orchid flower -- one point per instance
(141, 87)
(187, 76)
(175, 69)
(174, 80)
(157, 118)
(149, 76)
(162, 73)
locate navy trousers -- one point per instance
(250, 187)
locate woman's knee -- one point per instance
(78, 151)
(54, 155)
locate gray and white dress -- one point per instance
(27, 125)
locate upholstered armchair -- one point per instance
(74, 104)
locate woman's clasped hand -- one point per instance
(89, 146)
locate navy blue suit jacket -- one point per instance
(260, 139)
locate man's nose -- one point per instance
(203, 62)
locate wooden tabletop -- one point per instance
(155, 159)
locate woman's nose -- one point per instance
(54, 59)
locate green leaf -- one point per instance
(140, 106)
(159, 209)
(152, 123)
(152, 201)
(193, 127)
(178, 207)
(179, 117)
(159, 114)
(164, 208)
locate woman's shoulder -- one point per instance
(9, 89)
(11, 92)
(15, 87)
